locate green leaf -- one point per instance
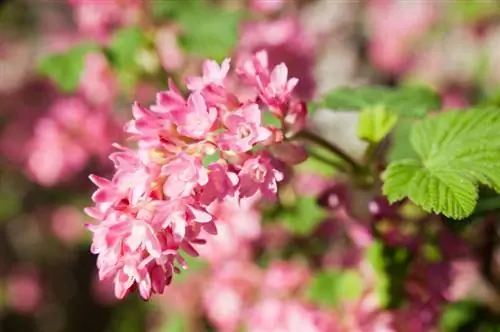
(174, 323)
(304, 216)
(375, 123)
(328, 288)
(400, 147)
(125, 46)
(410, 101)
(210, 31)
(65, 68)
(458, 151)
(468, 315)
(124, 50)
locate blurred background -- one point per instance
(69, 72)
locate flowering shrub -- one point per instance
(260, 165)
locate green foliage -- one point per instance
(208, 30)
(474, 10)
(304, 216)
(390, 266)
(174, 323)
(458, 151)
(400, 142)
(330, 287)
(64, 69)
(375, 123)
(124, 51)
(465, 316)
(125, 45)
(410, 101)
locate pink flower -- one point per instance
(254, 69)
(284, 40)
(283, 278)
(183, 175)
(260, 175)
(97, 82)
(196, 120)
(162, 200)
(267, 6)
(65, 139)
(169, 51)
(244, 130)
(96, 18)
(229, 292)
(24, 291)
(212, 74)
(279, 88)
(238, 226)
(221, 183)
(404, 22)
(67, 224)
(280, 315)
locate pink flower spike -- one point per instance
(244, 130)
(184, 174)
(212, 74)
(196, 120)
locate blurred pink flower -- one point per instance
(96, 18)
(65, 139)
(24, 290)
(283, 277)
(229, 293)
(394, 26)
(67, 224)
(238, 225)
(97, 81)
(286, 41)
(273, 315)
(169, 51)
(267, 6)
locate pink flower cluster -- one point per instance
(192, 152)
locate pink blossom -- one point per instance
(284, 278)
(67, 224)
(212, 74)
(260, 175)
(183, 175)
(70, 126)
(24, 290)
(279, 88)
(169, 51)
(162, 200)
(229, 293)
(280, 315)
(97, 18)
(284, 40)
(238, 226)
(267, 6)
(404, 22)
(197, 119)
(97, 82)
(244, 130)
(221, 183)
